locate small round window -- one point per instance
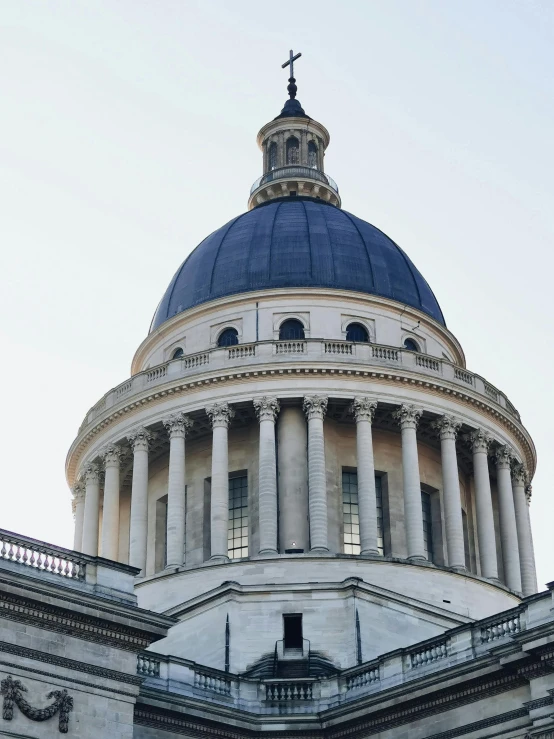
(356, 332)
(228, 337)
(177, 353)
(411, 345)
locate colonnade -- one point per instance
(515, 529)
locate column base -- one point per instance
(266, 552)
(219, 559)
(319, 550)
(418, 558)
(459, 569)
(370, 553)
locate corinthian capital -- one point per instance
(266, 408)
(220, 414)
(91, 473)
(315, 406)
(139, 439)
(447, 426)
(111, 455)
(78, 496)
(504, 456)
(480, 440)
(528, 492)
(177, 425)
(407, 415)
(519, 473)
(363, 409)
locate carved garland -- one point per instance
(13, 690)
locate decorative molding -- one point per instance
(111, 455)
(13, 690)
(363, 408)
(520, 476)
(139, 439)
(220, 414)
(480, 441)
(447, 426)
(407, 415)
(177, 425)
(91, 473)
(528, 492)
(504, 456)
(315, 406)
(267, 407)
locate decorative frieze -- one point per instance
(220, 414)
(315, 406)
(266, 407)
(13, 690)
(177, 425)
(363, 408)
(407, 415)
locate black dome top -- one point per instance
(296, 243)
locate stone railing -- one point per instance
(42, 557)
(361, 678)
(429, 654)
(288, 690)
(212, 680)
(360, 356)
(147, 665)
(507, 625)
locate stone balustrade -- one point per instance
(354, 357)
(42, 557)
(507, 624)
(287, 690)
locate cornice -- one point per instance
(397, 378)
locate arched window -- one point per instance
(411, 345)
(293, 150)
(177, 353)
(312, 155)
(228, 337)
(272, 157)
(356, 332)
(291, 329)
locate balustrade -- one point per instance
(384, 352)
(156, 374)
(507, 625)
(464, 376)
(290, 347)
(42, 557)
(289, 691)
(196, 360)
(212, 681)
(148, 666)
(242, 352)
(428, 363)
(362, 678)
(429, 654)
(338, 347)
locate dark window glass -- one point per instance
(229, 337)
(466, 540)
(350, 513)
(411, 345)
(291, 329)
(356, 332)
(312, 155)
(293, 150)
(273, 155)
(380, 525)
(177, 353)
(237, 540)
(427, 525)
(292, 630)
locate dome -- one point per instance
(296, 243)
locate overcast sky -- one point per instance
(128, 134)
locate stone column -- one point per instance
(139, 440)
(78, 506)
(448, 427)
(109, 547)
(480, 442)
(523, 525)
(177, 426)
(267, 409)
(292, 438)
(220, 415)
(315, 407)
(408, 417)
(364, 409)
(508, 531)
(92, 509)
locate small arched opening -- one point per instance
(228, 337)
(356, 332)
(272, 156)
(293, 150)
(177, 353)
(411, 345)
(312, 155)
(291, 329)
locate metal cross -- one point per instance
(292, 58)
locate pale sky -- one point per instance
(128, 134)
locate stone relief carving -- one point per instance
(13, 690)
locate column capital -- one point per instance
(528, 492)
(220, 414)
(363, 408)
(315, 406)
(139, 439)
(504, 456)
(111, 455)
(91, 473)
(520, 476)
(447, 426)
(266, 407)
(177, 425)
(407, 415)
(480, 440)
(78, 491)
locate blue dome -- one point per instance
(296, 243)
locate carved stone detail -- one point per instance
(528, 492)
(407, 415)
(519, 473)
(266, 408)
(480, 440)
(111, 455)
(91, 473)
(315, 406)
(177, 425)
(504, 456)
(79, 491)
(447, 426)
(363, 409)
(139, 439)
(220, 414)
(13, 690)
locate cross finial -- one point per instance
(290, 63)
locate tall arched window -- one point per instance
(312, 155)
(177, 353)
(293, 150)
(356, 332)
(411, 345)
(272, 157)
(291, 329)
(228, 337)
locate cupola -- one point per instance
(293, 146)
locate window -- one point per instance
(312, 155)
(466, 541)
(293, 150)
(411, 345)
(291, 329)
(350, 512)
(292, 631)
(177, 353)
(237, 541)
(228, 337)
(427, 525)
(356, 332)
(272, 156)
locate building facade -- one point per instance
(322, 510)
